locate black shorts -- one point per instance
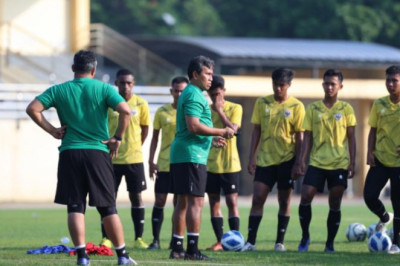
(279, 173)
(84, 171)
(164, 184)
(189, 178)
(228, 182)
(134, 176)
(316, 177)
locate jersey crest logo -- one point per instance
(338, 116)
(319, 116)
(382, 111)
(134, 112)
(287, 113)
(267, 110)
(168, 120)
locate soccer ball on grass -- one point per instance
(379, 242)
(232, 240)
(356, 232)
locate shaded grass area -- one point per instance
(21, 230)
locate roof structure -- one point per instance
(273, 52)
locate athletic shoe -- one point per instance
(177, 254)
(329, 248)
(197, 256)
(106, 242)
(216, 247)
(126, 261)
(139, 243)
(380, 226)
(303, 245)
(83, 261)
(154, 245)
(280, 247)
(248, 247)
(394, 249)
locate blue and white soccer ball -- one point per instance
(356, 232)
(379, 242)
(232, 240)
(371, 230)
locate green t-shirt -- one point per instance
(82, 105)
(188, 147)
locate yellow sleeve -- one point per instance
(350, 116)
(145, 114)
(237, 113)
(307, 124)
(255, 118)
(157, 122)
(373, 118)
(299, 119)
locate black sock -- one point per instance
(218, 226)
(157, 218)
(333, 224)
(81, 252)
(193, 239)
(234, 223)
(103, 231)
(177, 243)
(396, 231)
(121, 252)
(283, 222)
(137, 215)
(305, 219)
(254, 222)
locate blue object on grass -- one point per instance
(51, 250)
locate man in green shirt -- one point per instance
(84, 164)
(189, 153)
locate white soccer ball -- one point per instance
(379, 242)
(371, 230)
(232, 240)
(356, 232)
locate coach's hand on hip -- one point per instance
(113, 145)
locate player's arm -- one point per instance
(218, 107)
(371, 146)
(35, 111)
(153, 146)
(194, 126)
(305, 151)
(299, 137)
(255, 139)
(351, 139)
(144, 133)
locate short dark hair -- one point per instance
(334, 73)
(217, 82)
(393, 70)
(124, 72)
(178, 80)
(84, 61)
(197, 63)
(282, 74)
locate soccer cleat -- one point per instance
(106, 242)
(139, 243)
(126, 261)
(380, 226)
(303, 245)
(83, 261)
(154, 245)
(248, 247)
(394, 249)
(197, 256)
(177, 254)
(216, 247)
(329, 248)
(280, 247)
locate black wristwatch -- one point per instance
(117, 138)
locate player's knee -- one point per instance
(76, 208)
(106, 211)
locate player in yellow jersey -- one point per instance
(278, 131)
(329, 135)
(384, 156)
(129, 162)
(164, 121)
(223, 165)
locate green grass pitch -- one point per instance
(24, 229)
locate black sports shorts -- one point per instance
(279, 173)
(316, 177)
(164, 184)
(134, 176)
(189, 178)
(228, 182)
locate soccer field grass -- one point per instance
(24, 229)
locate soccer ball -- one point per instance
(371, 230)
(379, 242)
(232, 240)
(356, 232)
